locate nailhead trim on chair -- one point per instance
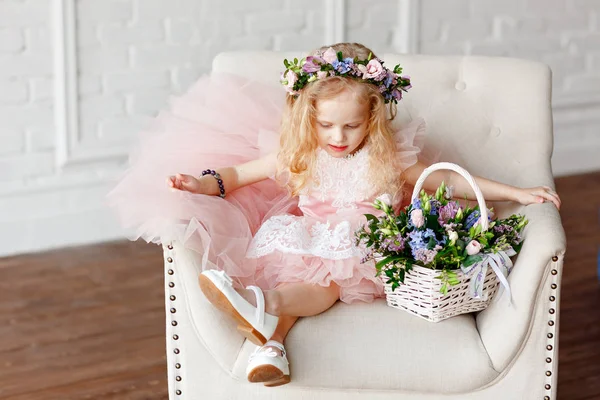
(550, 335)
(173, 310)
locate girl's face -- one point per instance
(341, 124)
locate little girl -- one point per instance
(282, 222)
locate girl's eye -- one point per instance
(325, 126)
(353, 126)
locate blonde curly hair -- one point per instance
(299, 140)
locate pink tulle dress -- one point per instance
(258, 234)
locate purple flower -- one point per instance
(312, 64)
(425, 256)
(393, 244)
(447, 212)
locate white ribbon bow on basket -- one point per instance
(499, 262)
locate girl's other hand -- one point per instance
(184, 182)
(538, 195)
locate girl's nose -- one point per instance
(338, 135)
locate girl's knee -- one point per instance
(334, 290)
(274, 302)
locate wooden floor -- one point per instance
(88, 322)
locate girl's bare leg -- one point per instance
(283, 327)
(297, 299)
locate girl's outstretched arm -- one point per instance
(492, 190)
(233, 177)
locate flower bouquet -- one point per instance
(436, 258)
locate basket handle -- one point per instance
(463, 172)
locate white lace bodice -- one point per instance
(341, 181)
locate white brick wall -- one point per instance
(133, 54)
(564, 34)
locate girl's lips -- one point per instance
(335, 148)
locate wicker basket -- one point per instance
(420, 293)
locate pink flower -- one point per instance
(374, 70)
(417, 218)
(474, 247)
(291, 78)
(322, 74)
(330, 55)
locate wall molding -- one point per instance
(408, 33)
(69, 147)
(66, 97)
(576, 101)
(335, 21)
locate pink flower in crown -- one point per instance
(322, 74)
(373, 70)
(330, 55)
(291, 78)
(312, 64)
(408, 78)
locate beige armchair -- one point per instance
(493, 117)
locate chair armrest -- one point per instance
(196, 319)
(503, 327)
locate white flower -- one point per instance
(386, 199)
(417, 218)
(474, 247)
(453, 236)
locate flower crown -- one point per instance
(300, 73)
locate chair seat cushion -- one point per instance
(374, 346)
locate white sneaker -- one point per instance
(253, 322)
(266, 365)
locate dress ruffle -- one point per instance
(226, 120)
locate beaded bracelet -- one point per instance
(219, 180)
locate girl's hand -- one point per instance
(184, 182)
(537, 195)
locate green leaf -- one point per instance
(384, 262)
(470, 260)
(339, 56)
(444, 289)
(371, 217)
